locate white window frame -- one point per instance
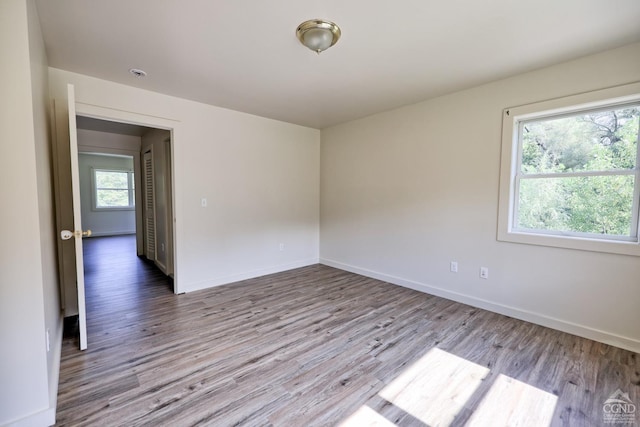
(130, 190)
(512, 119)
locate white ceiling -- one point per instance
(244, 55)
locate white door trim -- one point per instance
(174, 127)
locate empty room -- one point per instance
(320, 214)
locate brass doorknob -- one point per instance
(66, 234)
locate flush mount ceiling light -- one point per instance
(318, 35)
(138, 72)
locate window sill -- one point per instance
(576, 243)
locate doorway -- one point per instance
(154, 132)
(110, 145)
(125, 182)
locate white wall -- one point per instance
(405, 192)
(260, 176)
(93, 141)
(103, 222)
(29, 298)
(48, 235)
(90, 141)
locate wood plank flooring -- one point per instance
(318, 346)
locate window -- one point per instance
(570, 167)
(113, 189)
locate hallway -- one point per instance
(118, 286)
(115, 274)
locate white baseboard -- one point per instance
(219, 281)
(46, 417)
(529, 316)
(161, 266)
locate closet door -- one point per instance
(149, 208)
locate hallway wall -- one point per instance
(105, 222)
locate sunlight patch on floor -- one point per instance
(435, 387)
(514, 403)
(366, 416)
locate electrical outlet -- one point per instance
(484, 273)
(454, 266)
(281, 246)
(203, 202)
(162, 247)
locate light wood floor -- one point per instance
(318, 346)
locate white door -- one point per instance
(77, 220)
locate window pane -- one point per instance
(107, 179)
(593, 204)
(112, 198)
(596, 141)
